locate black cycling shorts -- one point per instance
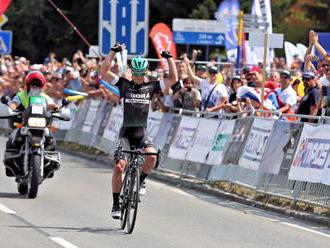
(132, 138)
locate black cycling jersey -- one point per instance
(137, 99)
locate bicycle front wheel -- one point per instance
(123, 197)
(133, 200)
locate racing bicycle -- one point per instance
(129, 192)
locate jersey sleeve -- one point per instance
(122, 84)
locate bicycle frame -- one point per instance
(129, 193)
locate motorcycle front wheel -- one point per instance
(35, 175)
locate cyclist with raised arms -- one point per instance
(137, 95)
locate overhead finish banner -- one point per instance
(111, 131)
(312, 158)
(183, 138)
(256, 143)
(162, 39)
(203, 140)
(221, 141)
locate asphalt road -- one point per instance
(73, 210)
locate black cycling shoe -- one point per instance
(115, 212)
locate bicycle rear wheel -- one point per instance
(123, 197)
(133, 199)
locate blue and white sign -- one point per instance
(124, 21)
(6, 38)
(194, 38)
(198, 32)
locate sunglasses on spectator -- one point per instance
(36, 84)
(285, 77)
(325, 65)
(139, 73)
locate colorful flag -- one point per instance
(3, 6)
(162, 38)
(230, 7)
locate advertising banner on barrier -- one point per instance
(91, 115)
(280, 147)
(183, 137)
(66, 125)
(154, 121)
(312, 157)
(81, 114)
(111, 131)
(256, 143)
(107, 112)
(238, 139)
(203, 140)
(221, 141)
(167, 129)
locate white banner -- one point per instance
(183, 137)
(203, 140)
(65, 125)
(254, 55)
(221, 140)
(154, 121)
(111, 131)
(91, 114)
(256, 143)
(311, 161)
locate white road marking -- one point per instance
(171, 188)
(63, 242)
(3, 208)
(295, 226)
(306, 229)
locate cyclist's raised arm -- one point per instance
(173, 73)
(105, 70)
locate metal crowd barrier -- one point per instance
(256, 152)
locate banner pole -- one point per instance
(266, 36)
(239, 38)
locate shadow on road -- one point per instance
(94, 230)
(11, 195)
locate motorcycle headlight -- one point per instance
(37, 122)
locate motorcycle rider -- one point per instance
(34, 83)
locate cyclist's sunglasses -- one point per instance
(139, 73)
(36, 84)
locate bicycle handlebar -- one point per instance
(139, 152)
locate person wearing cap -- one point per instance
(286, 95)
(188, 97)
(255, 78)
(235, 83)
(201, 71)
(214, 95)
(310, 103)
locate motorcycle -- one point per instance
(30, 154)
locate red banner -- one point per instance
(3, 6)
(162, 38)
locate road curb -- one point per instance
(176, 180)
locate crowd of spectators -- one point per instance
(300, 88)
